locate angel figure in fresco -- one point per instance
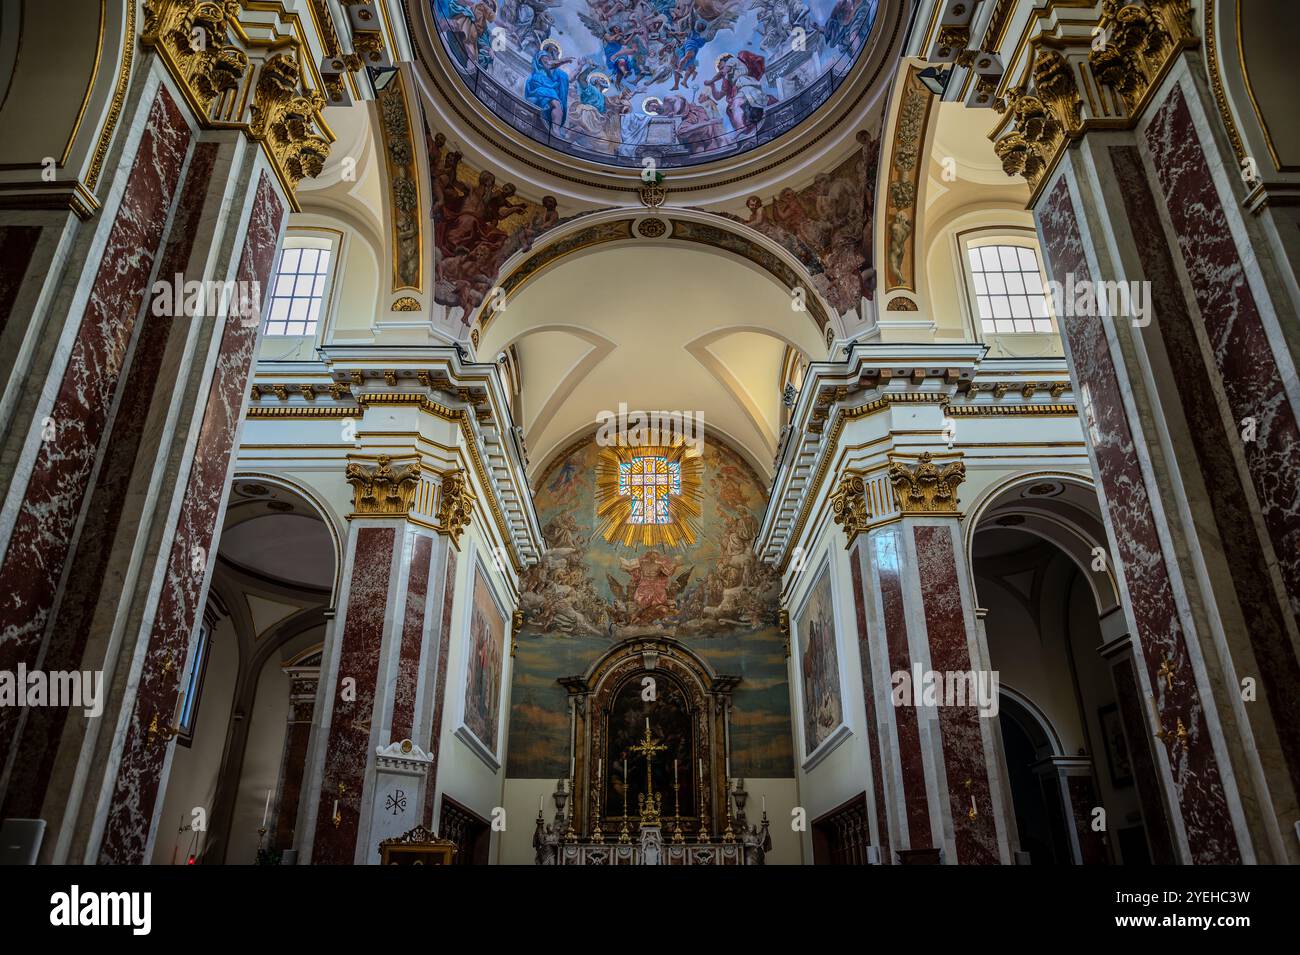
(564, 486)
(652, 592)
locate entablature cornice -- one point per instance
(854, 418)
(435, 381)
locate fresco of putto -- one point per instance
(682, 81)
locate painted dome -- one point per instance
(681, 82)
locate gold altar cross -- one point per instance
(648, 747)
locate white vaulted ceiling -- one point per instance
(659, 327)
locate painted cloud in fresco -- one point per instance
(682, 81)
(586, 595)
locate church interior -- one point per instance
(649, 432)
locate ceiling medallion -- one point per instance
(682, 83)
(649, 495)
(252, 490)
(652, 228)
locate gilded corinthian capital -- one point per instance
(382, 490)
(849, 506)
(926, 488)
(455, 505)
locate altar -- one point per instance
(650, 780)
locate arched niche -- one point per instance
(706, 697)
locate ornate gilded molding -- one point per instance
(1132, 47)
(403, 190)
(382, 490)
(849, 506)
(926, 488)
(215, 61)
(904, 183)
(455, 506)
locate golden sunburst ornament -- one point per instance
(648, 495)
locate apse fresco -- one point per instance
(679, 81)
(585, 595)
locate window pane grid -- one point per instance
(1010, 297)
(297, 291)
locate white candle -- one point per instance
(765, 804)
(647, 724)
(600, 767)
(541, 801)
(674, 774)
(336, 808)
(266, 811)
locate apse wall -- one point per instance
(580, 600)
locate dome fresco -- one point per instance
(677, 81)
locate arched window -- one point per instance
(300, 289)
(1007, 293)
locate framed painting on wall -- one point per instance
(817, 662)
(480, 723)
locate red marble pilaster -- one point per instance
(1248, 373)
(1198, 784)
(962, 735)
(888, 568)
(42, 536)
(408, 663)
(347, 751)
(139, 773)
(302, 707)
(881, 839)
(84, 589)
(1244, 351)
(440, 685)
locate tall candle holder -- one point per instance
(624, 836)
(703, 835)
(729, 835)
(678, 837)
(598, 834)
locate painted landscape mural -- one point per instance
(586, 595)
(682, 81)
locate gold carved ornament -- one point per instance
(382, 490)
(926, 488)
(285, 119)
(849, 506)
(205, 48)
(1129, 51)
(455, 506)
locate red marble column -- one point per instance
(412, 643)
(880, 835)
(88, 582)
(54, 487)
(1197, 779)
(440, 686)
(353, 688)
(949, 624)
(193, 542)
(914, 811)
